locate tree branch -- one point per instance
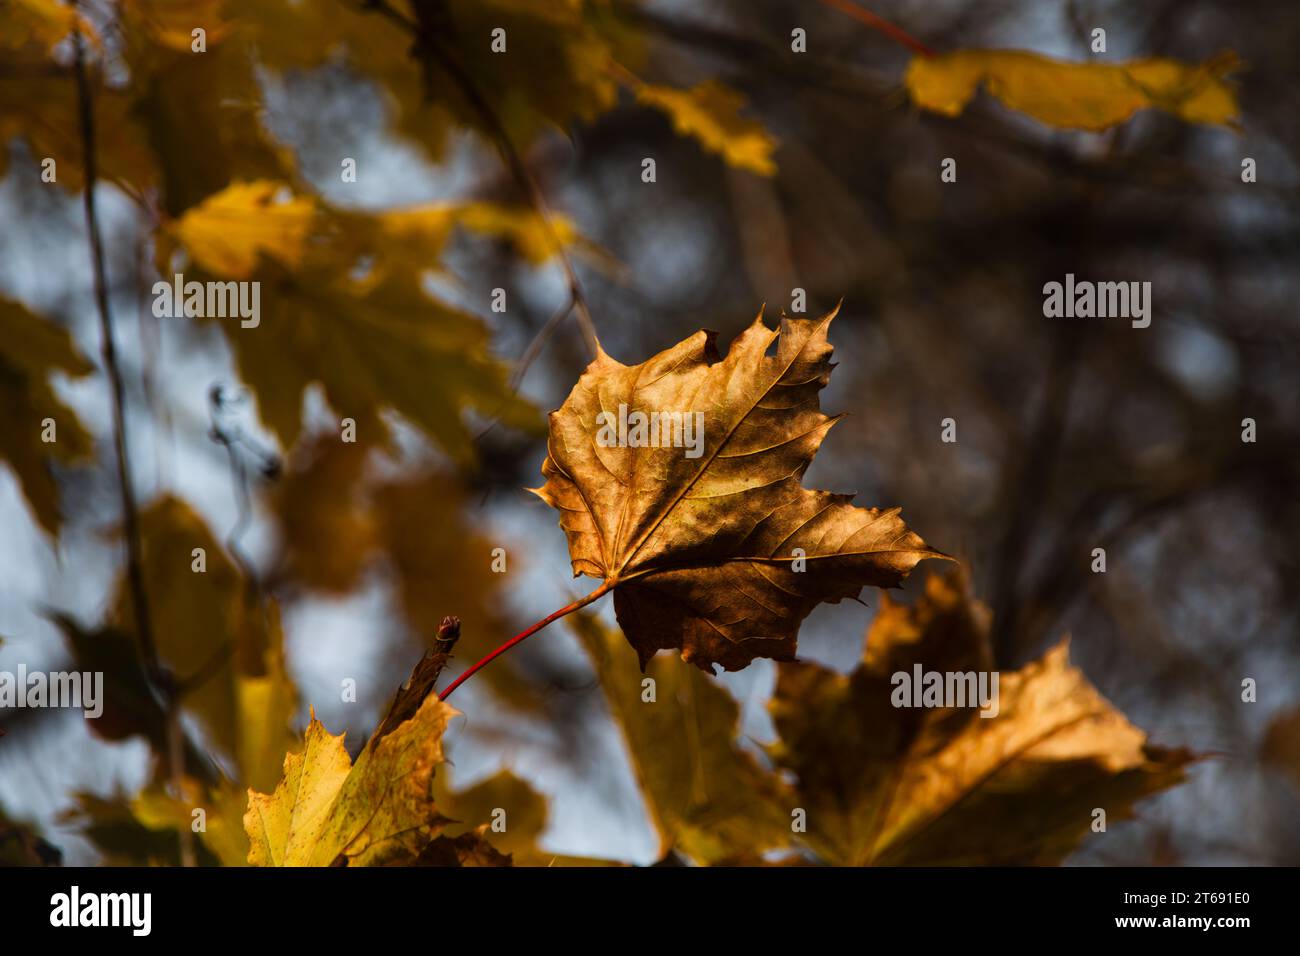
(428, 28)
(158, 675)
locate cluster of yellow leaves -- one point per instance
(1088, 96)
(374, 339)
(564, 62)
(224, 646)
(879, 784)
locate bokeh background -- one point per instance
(1072, 434)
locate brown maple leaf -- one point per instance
(696, 514)
(944, 786)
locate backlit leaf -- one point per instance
(710, 113)
(706, 533)
(327, 811)
(939, 786)
(228, 233)
(1089, 96)
(709, 799)
(374, 339)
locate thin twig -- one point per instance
(158, 675)
(880, 24)
(450, 64)
(434, 53)
(529, 356)
(539, 342)
(519, 638)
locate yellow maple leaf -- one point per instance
(328, 811)
(416, 237)
(1088, 96)
(708, 799)
(373, 342)
(710, 113)
(227, 233)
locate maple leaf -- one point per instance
(130, 707)
(124, 838)
(223, 643)
(157, 809)
(1088, 96)
(327, 811)
(30, 350)
(374, 342)
(709, 799)
(901, 786)
(710, 112)
(195, 615)
(229, 232)
(327, 536)
(700, 549)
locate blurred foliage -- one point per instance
(1072, 436)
